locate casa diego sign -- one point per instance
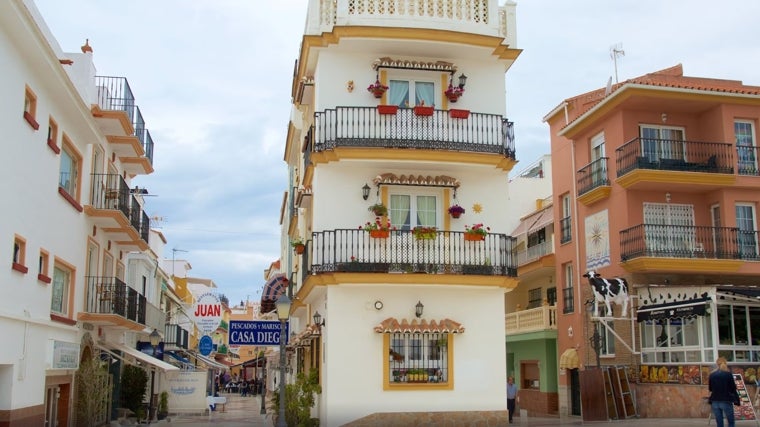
(207, 312)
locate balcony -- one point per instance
(531, 320)
(534, 253)
(175, 337)
(110, 302)
(364, 127)
(113, 208)
(644, 162)
(648, 247)
(446, 253)
(593, 182)
(121, 121)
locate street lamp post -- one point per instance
(155, 339)
(283, 311)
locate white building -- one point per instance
(413, 321)
(82, 276)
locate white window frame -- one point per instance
(412, 78)
(419, 351)
(676, 340)
(746, 143)
(59, 291)
(663, 145)
(413, 193)
(670, 227)
(747, 225)
(605, 330)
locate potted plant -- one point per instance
(298, 245)
(453, 93)
(387, 109)
(378, 209)
(423, 110)
(377, 88)
(455, 210)
(476, 232)
(425, 233)
(163, 405)
(378, 229)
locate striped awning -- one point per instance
(418, 326)
(569, 359)
(274, 287)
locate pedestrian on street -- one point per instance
(512, 397)
(722, 390)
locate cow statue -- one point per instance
(608, 290)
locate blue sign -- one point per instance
(260, 332)
(205, 345)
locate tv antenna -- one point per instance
(174, 252)
(615, 52)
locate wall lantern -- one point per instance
(318, 319)
(418, 309)
(462, 81)
(365, 191)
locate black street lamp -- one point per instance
(283, 312)
(155, 340)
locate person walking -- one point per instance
(722, 390)
(512, 397)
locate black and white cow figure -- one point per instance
(608, 290)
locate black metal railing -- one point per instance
(592, 176)
(365, 127)
(115, 94)
(674, 155)
(566, 229)
(110, 295)
(747, 160)
(175, 335)
(144, 226)
(110, 191)
(568, 300)
(447, 252)
(674, 241)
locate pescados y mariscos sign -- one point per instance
(207, 312)
(257, 332)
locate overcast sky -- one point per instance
(212, 79)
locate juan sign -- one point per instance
(207, 312)
(258, 332)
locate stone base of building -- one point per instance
(672, 401)
(433, 419)
(539, 403)
(22, 417)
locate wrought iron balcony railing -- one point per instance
(568, 301)
(675, 155)
(747, 156)
(365, 127)
(110, 295)
(592, 176)
(566, 230)
(446, 252)
(678, 241)
(110, 192)
(531, 320)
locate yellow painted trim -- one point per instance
(327, 279)
(496, 160)
(384, 82)
(449, 202)
(595, 195)
(389, 386)
(545, 261)
(119, 115)
(648, 264)
(110, 320)
(500, 51)
(675, 177)
(444, 86)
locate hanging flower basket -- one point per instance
(452, 97)
(459, 114)
(299, 249)
(377, 89)
(456, 211)
(422, 110)
(379, 234)
(474, 237)
(387, 109)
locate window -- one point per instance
(745, 147)
(411, 210)
(419, 358)
(530, 374)
(408, 93)
(662, 142)
(534, 298)
(745, 222)
(42, 267)
(598, 166)
(70, 169)
(551, 296)
(52, 136)
(30, 108)
(676, 340)
(59, 302)
(565, 221)
(568, 299)
(607, 338)
(19, 254)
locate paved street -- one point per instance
(244, 411)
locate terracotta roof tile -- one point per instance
(423, 326)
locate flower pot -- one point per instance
(299, 249)
(387, 109)
(459, 114)
(456, 214)
(474, 237)
(452, 98)
(378, 93)
(379, 234)
(421, 110)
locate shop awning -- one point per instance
(274, 287)
(444, 326)
(686, 308)
(569, 359)
(137, 354)
(210, 363)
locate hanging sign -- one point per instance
(257, 332)
(205, 345)
(207, 312)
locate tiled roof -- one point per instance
(392, 325)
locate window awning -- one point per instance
(686, 308)
(569, 359)
(273, 288)
(392, 325)
(137, 354)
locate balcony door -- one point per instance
(745, 222)
(662, 142)
(669, 228)
(598, 173)
(412, 92)
(745, 147)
